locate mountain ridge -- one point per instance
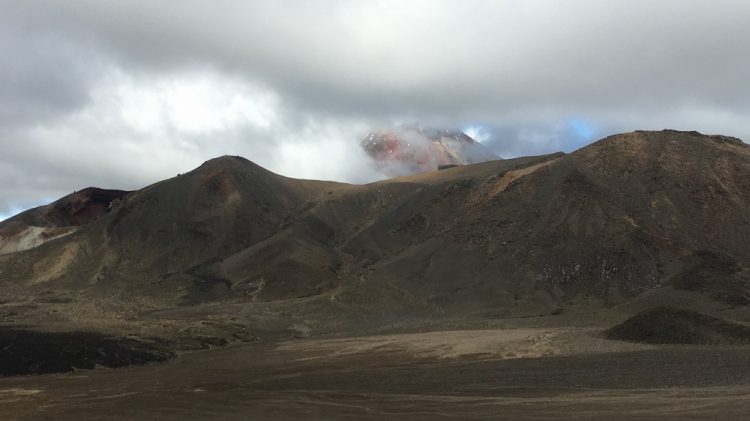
(631, 218)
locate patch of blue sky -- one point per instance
(580, 132)
(14, 210)
(478, 132)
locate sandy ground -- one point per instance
(484, 343)
(473, 374)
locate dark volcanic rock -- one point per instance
(78, 208)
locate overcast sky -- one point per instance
(120, 94)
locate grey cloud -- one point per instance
(443, 58)
(40, 79)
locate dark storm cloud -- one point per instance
(133, 79)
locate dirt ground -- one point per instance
(527, 373)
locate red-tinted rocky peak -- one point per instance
(415, 149)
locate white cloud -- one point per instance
(478, 133)
(327, 150)
(192, 103)
(137, 130)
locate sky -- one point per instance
(121, 94)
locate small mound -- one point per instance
(667, 325)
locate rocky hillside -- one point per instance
(627, 217)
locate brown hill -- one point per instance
(633, 215)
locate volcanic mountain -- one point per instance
(630, 220)
(414, 149)
(33, 227)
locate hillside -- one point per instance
(634, 217)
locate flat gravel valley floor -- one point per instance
(461, 374)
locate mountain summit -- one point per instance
(414, 149)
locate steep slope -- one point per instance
(643, 214)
